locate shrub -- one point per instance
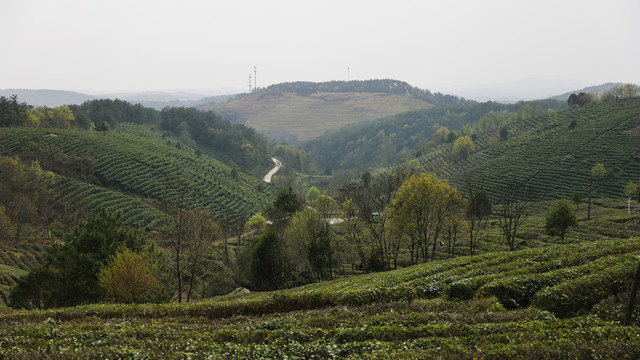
(581, 294)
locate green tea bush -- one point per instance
(581, 294)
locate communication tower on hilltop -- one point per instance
(250, 84)
(255, 78)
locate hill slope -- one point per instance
(301, 111)
(385, 141)
(552, 153)
(135, 175)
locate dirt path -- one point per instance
(267, 178)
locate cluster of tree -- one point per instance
(103, 113)
(580, 100)
(88, 267)
(617, 93)
(386, 86)
(404, 210)
(292, 244)
(102, 260)
(243, 145)
(25, 198)
(398, 138)
(620, 92)
(107, 112)
(15, 113)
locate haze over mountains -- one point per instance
(526, 89)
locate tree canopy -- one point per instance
(559, 219)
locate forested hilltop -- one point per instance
(301, 111)
(383, 86)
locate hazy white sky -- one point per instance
(138, 45)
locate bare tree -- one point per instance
(477, 213)
(176, 226)
(513, 210)
(203, 232)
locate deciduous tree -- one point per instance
(462, 147)
(420, 208)
(128, 276)
(598, 172)
(559, 219)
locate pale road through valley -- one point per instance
(267, 178)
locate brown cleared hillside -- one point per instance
(308, 117)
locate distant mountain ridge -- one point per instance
(47, 97)
(599, 89)
(154, 99)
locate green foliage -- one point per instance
(580, 99)
(598, 171)
(241, 144)
(114, 112)
(632, 189)
(257, 222)
(128, 276)
(462, 147)
(313, 194)
(504, 133)
(69, 275)
(25, 196)
(287, 202)
(559, 219)
(265, 265)
(579, 295)
(310, 237)
(620, 92)
(295, 159)
(12, 112)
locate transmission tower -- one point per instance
(255, 78)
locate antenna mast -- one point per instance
(255, 78)
(249, 82)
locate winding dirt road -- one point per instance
(267, 178)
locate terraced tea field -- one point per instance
(552, 157)
(557, 302)
(136, 173)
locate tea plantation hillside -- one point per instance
(555, 302)
(553, 153)
(135, 175)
